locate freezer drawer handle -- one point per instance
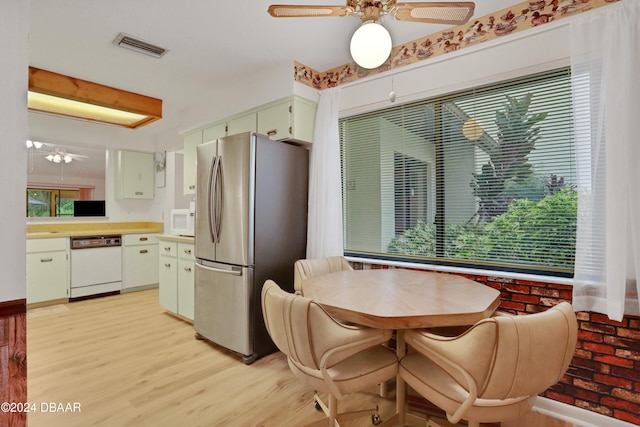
(144, 251)
(46, 259)
(219, 270)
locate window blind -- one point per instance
(484, 177)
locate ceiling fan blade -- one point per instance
(296, 11)
(454, 13)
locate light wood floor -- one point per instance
(128, 363)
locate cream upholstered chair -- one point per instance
(494, 370)
(307, 268)
(329, 356)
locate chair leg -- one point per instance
(401, 407)
(333, 410)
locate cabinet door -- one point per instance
(47, 276)
(135, 175)
(168, 283)
(303, 119)
(191, 141)
(140, 265)
(214, 132)
(275, 121)
(186, 286)
(242, 124)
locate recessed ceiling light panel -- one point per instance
(129, 42)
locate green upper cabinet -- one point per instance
(287, 118)
(245, 123)
(291, 119)
(135, 175)
(191, 141)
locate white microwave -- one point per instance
(182, 222)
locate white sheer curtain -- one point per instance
(324, 235)
(605, 67)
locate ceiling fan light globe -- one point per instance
(370, 45)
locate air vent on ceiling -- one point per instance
(141, 46)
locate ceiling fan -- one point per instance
(371, 43)
(52, 152)
(453, 13)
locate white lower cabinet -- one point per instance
(139, 260)
(47, 269)
(176, 277)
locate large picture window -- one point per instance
(481, 178)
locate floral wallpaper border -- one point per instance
(519, 17)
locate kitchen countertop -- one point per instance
(174, 238)
(44, 231)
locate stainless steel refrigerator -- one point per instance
(251, 225)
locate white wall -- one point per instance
(523, 53)
(14, 62)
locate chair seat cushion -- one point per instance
(435, 384)
(365, 369)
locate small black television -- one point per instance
(88, 208)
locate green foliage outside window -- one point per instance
(523, 235)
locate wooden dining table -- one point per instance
(401, 299)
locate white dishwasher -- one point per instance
(96, 265)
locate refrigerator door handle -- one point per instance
(220, 270)
(219, 191)
(211, 198)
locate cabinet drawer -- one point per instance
(168, 248)
(139, 239)
(185, 251)
(47, 245)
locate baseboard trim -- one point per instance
(577, 416)
(13, 307)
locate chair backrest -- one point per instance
(517, 356)
(299, 327)
(307, 268)
(531, 352)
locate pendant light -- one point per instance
(370, 45)
(471, 129)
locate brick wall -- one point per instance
(604, 375)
